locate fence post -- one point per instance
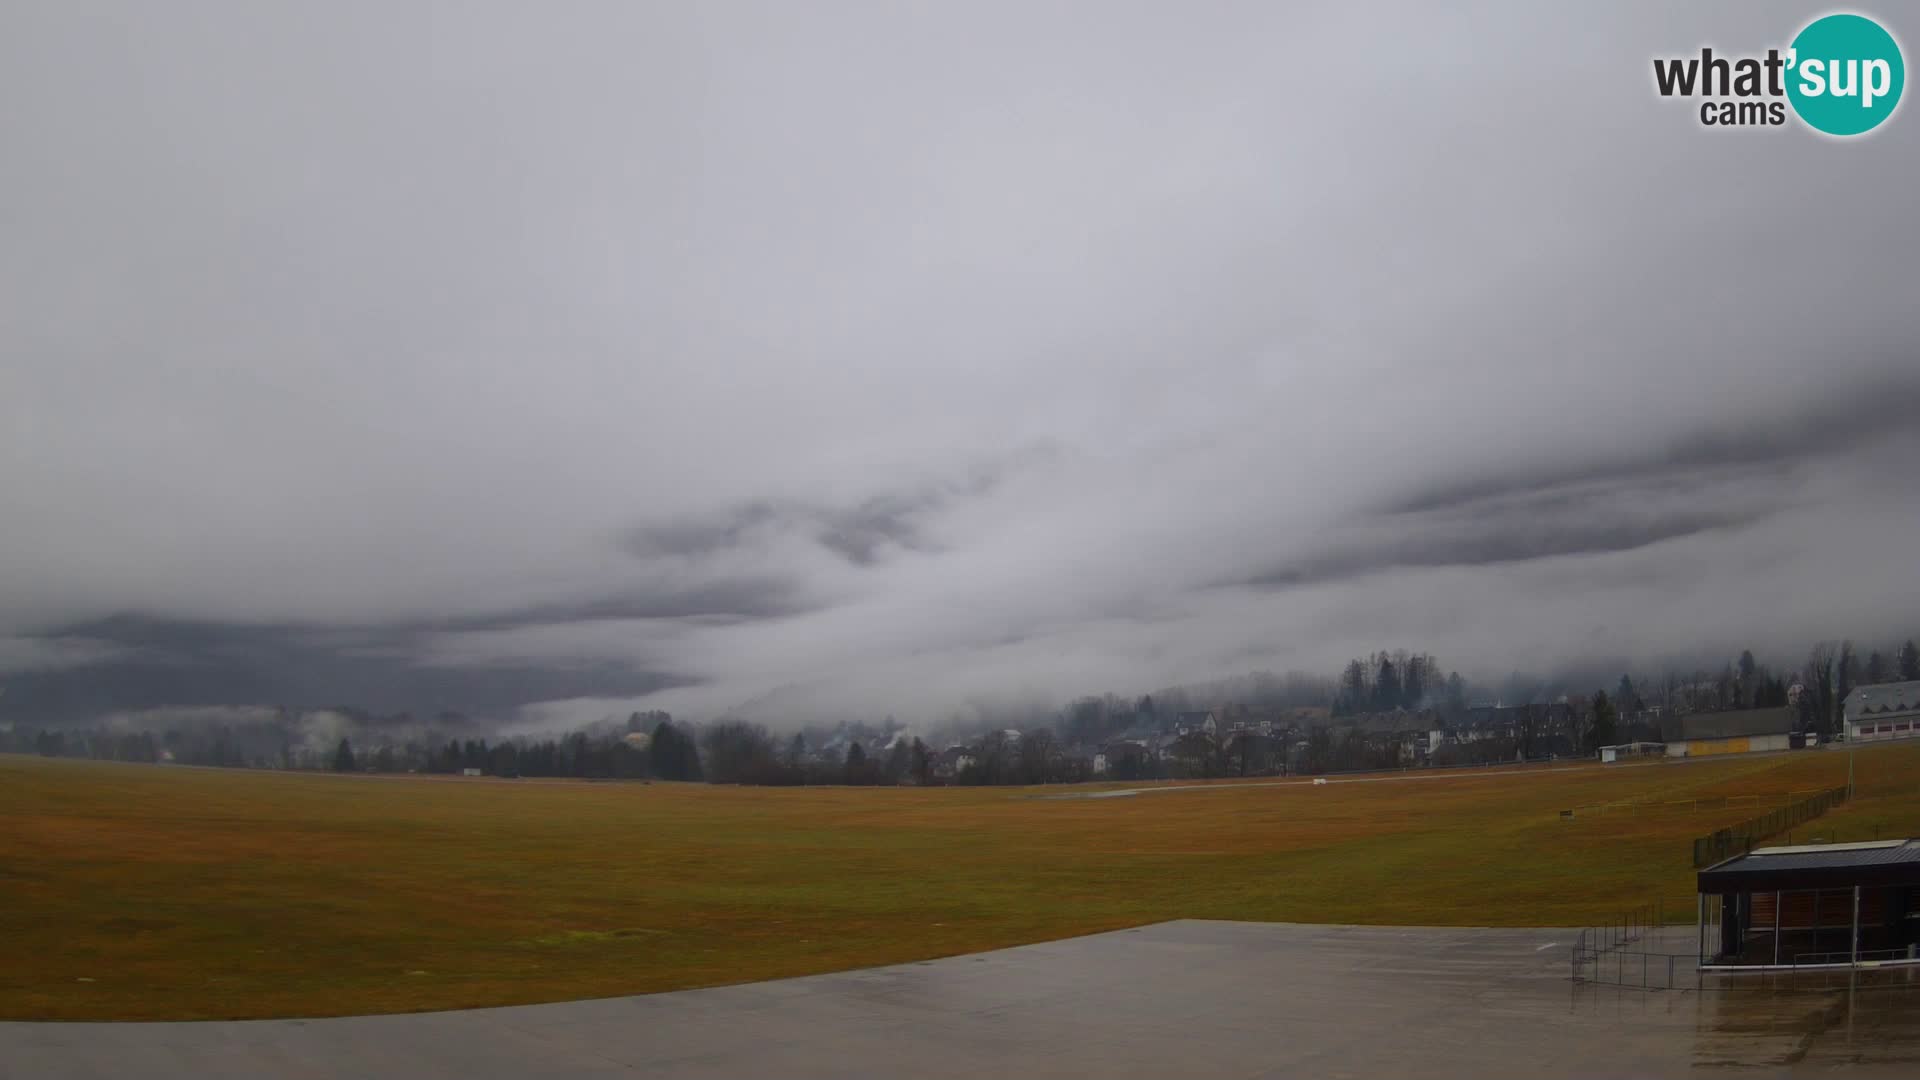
(1854, 960)
(1700, 934)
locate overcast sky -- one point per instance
(854, 358)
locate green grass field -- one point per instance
(141, 892)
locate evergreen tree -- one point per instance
(921, 766)
(1353, 689)
(1625, 697)
(1413, 686)
(899, 759)
(343, 757)
(1772, 692)
(674, 755)
(1386, 685)
(1908, 661)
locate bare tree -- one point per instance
(1039, 757)
(1819, 675)
(1846, 676)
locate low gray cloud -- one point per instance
(1828, 421)
(692, 536)
(142, 663)
(861, 532)
(742, 598)
(55, 652)
(677, 356)
(1523, 533)
(1485, 523)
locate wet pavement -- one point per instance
(1188, 999)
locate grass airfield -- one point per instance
(158, 893)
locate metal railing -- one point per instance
(1864, 956)
(1643, 969)
(1630, 926)
(1596, 944)
(1626, 951)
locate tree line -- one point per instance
(1055, 749)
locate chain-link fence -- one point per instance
(1645, 969)
(1625, 951)
(1739, 839)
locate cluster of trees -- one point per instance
(668, 753)
(1053, 748)
(742, 752)
(1739, 684)
(230, 745)
(104, 746)
(1904, 667)
(671, 754)
(578, 755)
(652, 745)
(1331, 749)
(1398, 680)
(1832, 672)
(1033, 757)
(1089, 720)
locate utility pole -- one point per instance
(1848, 736)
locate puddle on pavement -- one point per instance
(1807, 1022)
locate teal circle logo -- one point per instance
(1845, 74)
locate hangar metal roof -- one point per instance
(1885, 862)
(1731, 724)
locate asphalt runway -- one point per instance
(1179, 999)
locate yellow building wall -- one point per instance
(1704, 747)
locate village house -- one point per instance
(949, 763)
(1123, 756)
(1884, 711)
(1201, 722)
(1249, 718)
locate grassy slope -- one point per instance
(203, 893)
